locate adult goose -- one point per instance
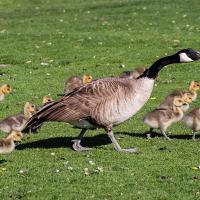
(107, 102)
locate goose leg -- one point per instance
(149, 134)
(165, 135)
(77, 143)
(193, 136)
(117, 146)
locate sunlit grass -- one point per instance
(45, 42)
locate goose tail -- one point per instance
(40, 117)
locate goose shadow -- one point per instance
(61, 142)
(158, 134)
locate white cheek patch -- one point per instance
(185, 58)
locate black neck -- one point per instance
(153, 71)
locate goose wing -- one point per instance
(81, 103)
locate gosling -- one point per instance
(192, 120)
(17, 122)
(162, 118)
(194, 86)
(7, 145)
(4, 89)
(75, 82)
(190, 94)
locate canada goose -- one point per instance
(7, 144)
(17, 122)
(4, 89)
(75, 82)
(192, 120)
(46, 99)
(107, 102)
(162, 118)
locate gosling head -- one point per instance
(6, 88)
(187, 97)
(181, 103)
(188, 55)
(16, 136)
(87, 79)
(194, 85)
(178, 101)
(46, 99)
(29, 108)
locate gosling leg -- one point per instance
(149, 134)
(117, 146)
(194, 135)
(165, 135)
(77, 142)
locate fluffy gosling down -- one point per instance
(17, 122)
(46, 99)
(189, 95)
(7, 145)
(75, 82)
(192, 120)
(4, 89)
(162, 118)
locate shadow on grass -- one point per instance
(58, 142)
(93, 141)
(157, 134)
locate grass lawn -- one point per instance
(44, 43)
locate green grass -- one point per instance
(95, 37)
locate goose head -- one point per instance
(87, 79)
(188, 55)
(182, 56)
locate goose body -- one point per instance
(114, 108)
(106, 102)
